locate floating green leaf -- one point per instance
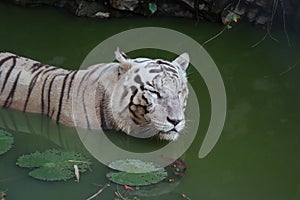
(53, 165)
(137, 179)
(152, 7)
(6, 141)
(133, 166)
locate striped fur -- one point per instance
(142, 97)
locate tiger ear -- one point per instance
(123, 59)
(183, 61)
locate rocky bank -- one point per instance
(259, 12)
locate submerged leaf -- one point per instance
(137, 179)
(6, 141)
(133, 166)
(53, 165)
(51, 174)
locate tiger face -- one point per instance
(150, 96)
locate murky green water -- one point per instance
(258, 154)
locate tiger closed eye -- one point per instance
(155, 93)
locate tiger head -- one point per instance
(150, 96)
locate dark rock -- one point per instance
(296, 20)
(255, 11)
(88, 9)
(175, 10)
(262, 20)
(261, 3)
(101, 15)
(252, 14)
(190, 3)
(240, 11)
(124, 4)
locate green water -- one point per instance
(258, 153)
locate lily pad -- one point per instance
(53, 165)
(137, 179)
(6, 141)
(133, 166)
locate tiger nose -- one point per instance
(174, 121)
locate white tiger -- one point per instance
(138, 96)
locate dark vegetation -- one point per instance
(263, 13)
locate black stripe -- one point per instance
(169, 69)
(165, 63)
(71, 82)
(11, 94)
(102, 112)
(155, 70)
(42, 95)
(52, 113)
(80, 83)
(30, 88)
(133, 88)
(44, 85)
(148, 83)
(175, 75)
(135, 120)
(35, 67)
(84, 109)
(49, 92)
(6, 59)
(131, 103)
(124, 55)
(124, 94)
(49, 70)
(138, 79)
(92, 72)
(145, 99)
(10, 69)
(141, 61)
(62, 97)
(102, 72)
(152, 91)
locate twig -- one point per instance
(289, 68)
(284, 24)
(99, 191)
(214, 37)
(184, 196)
(77, 161)
(264, 37)
(237, 6)
(118, 194)
(268, 33)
